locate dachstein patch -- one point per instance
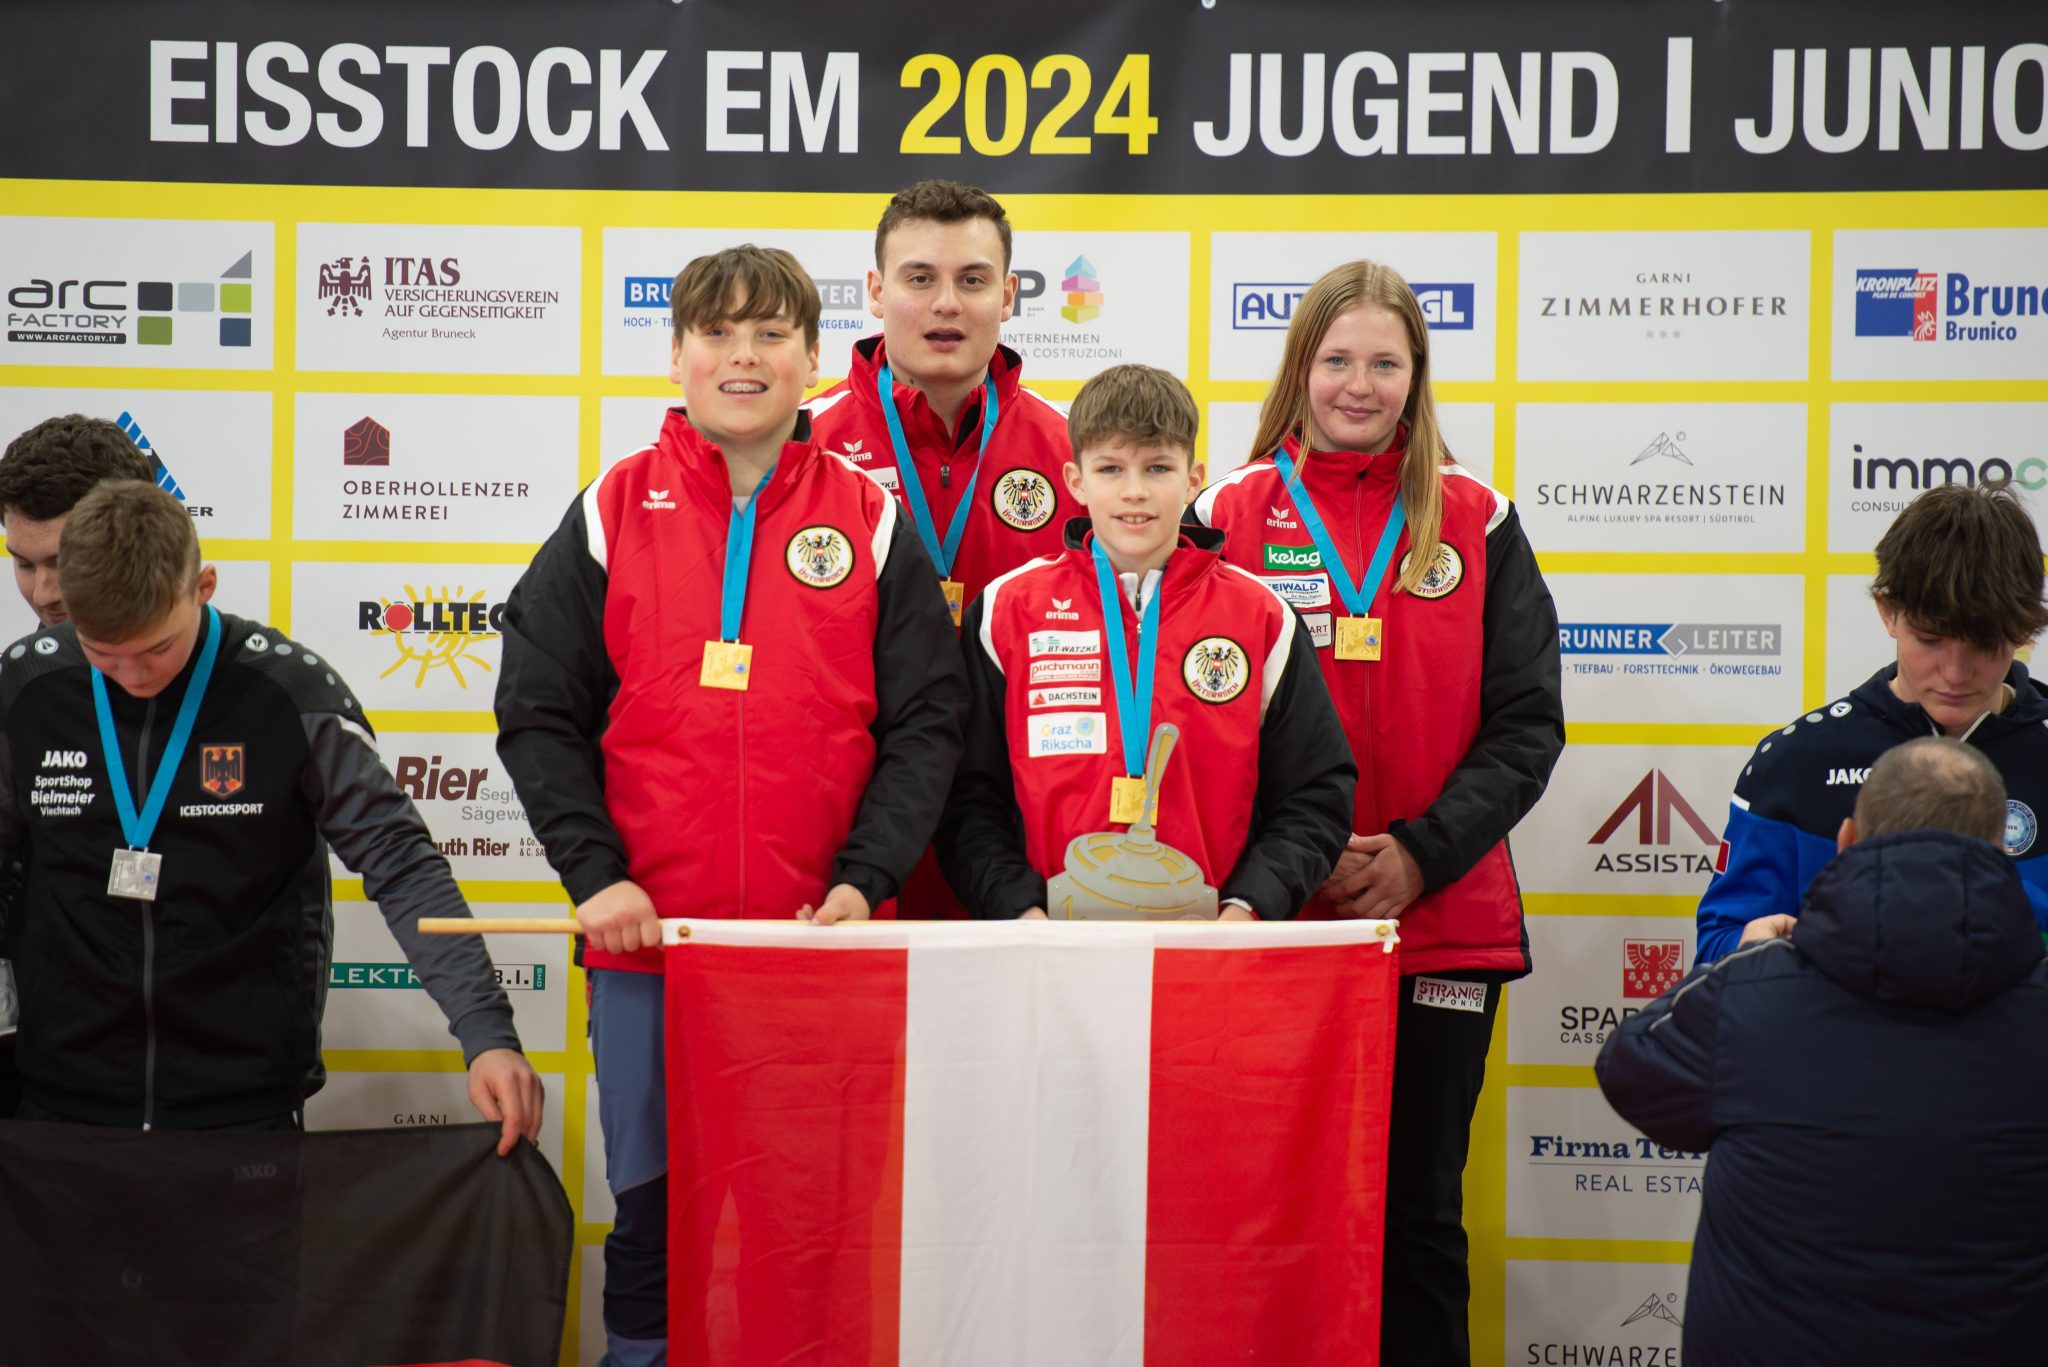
(1444, 575)
(1450, 995)
(1023, 499)
(820, 556)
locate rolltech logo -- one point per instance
(435, 629)
(106, 313)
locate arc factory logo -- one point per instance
(96, 312)
(436, 629)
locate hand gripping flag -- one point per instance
(1011, 1145)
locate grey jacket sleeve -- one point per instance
(379, 834)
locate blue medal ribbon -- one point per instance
(138, 829)
(739, 559)
(1357, 597)
(1133, 699)
(913, 486)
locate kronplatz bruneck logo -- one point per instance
(1929, 306)
(95, 312)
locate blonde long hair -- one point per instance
(1355, 285)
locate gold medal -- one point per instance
(1126, 800)
(727, 664)
(956, 598)
(1358, 638)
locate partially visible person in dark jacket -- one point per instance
(1871, 1087)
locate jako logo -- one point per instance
(64, 759)
(1446, 308)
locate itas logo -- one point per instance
(1648, 967)
(95, 312)
(1083, 288)
(1062, 610)
(434, 630)
(65, 759)
(1260, 307)
(344, 285)
(1277, 517)
(1446, 308)
(366, 442)
(126, 422)
(1653, 802)
(1898, 303)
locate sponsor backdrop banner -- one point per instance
(1713, 292)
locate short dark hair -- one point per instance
(1136, 404)
(744, 284)
(1964, 561)
(48, 468)
(1932, 783)
(941, 201)
(128, 554)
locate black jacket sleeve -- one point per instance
(555, 688)
(981, 837)
(1301, 815)
(919, 696)
(1657, 1067)
(1521, 720)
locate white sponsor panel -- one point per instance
(1594, 1314)
(1641, 820)
(598, 1206)
(1881, 456)
(1680, 648)
(1941, 304)
(244, 591)
(1597, 971)
(405, 467)
(1088, 301)
(590, 1340)
(163, 293)
(407, 636)
(209, 447)
(1662, 477)
(1066, 733)
(641, 264)
(1256, 279)
(374, 1000)
(467, 800)
(1858, 645)
(439, 298)
(625, 425)
(1467, 427)
(381, 1100)
(1664, 306)
(1576, 1170)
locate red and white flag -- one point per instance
(1007, 1145)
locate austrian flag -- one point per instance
(1027, 1143)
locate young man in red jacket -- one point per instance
(730, 633)
(935, 410)
(1073, 659)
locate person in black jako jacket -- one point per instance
(1872, 1093)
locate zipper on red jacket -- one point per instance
(1364, 673)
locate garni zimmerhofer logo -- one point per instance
(438, 628)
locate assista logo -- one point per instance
(1652, 803)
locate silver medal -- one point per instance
(135, 874)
